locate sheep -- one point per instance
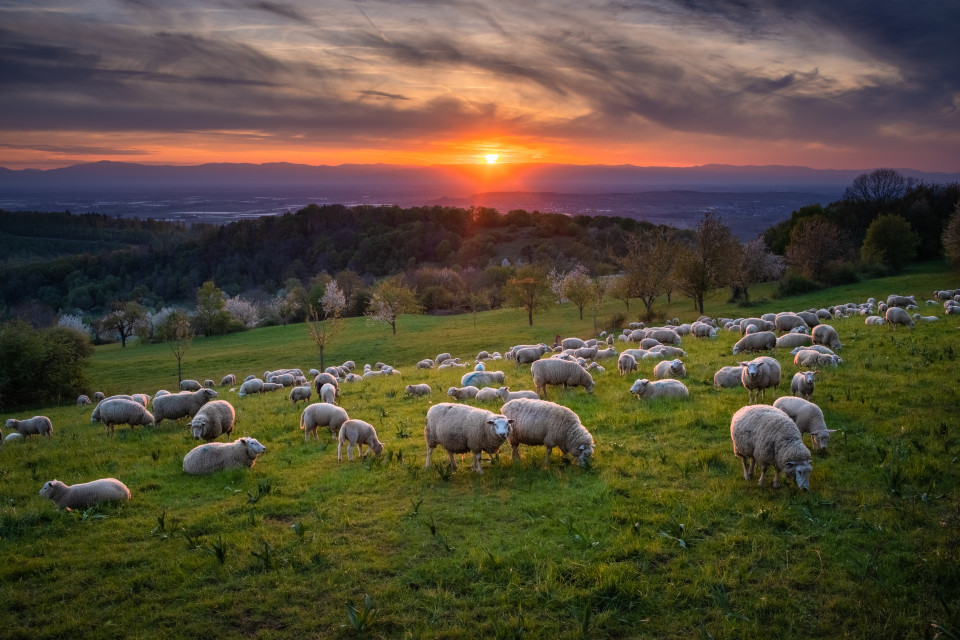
(12, 437)
(506, 395)
(324, 378)
(254, 385)
(487, 394)
(767, 436)
(213, 420)
(874, 320)
(313, 373)
(116, 411)
(450, 364)
(819, 348)
(219, 456)
(37, 425)
(190, 385)
(665, 336)
(301, 393)
(816, 360)
(357, 433)
(418, 390)
(321, 414)
(425, 364)
(759, 323)
(531, 354)
(483, 378)
(463, 393)
(897, 315)
(349, 365)
(760, 341)
(441, 357)
(786, 322)
(284, 379)
(626, 363)
(208, 383)
(462, 429)
(827, 336)
(483, 355)
(352, 377)
(83, 400)
(791, 340)
(98, 396)
(668, 351)
(249, 377)
(271, 386)
(758, 375)
(669, 369)
(328, 393)
(728, 377)
(809, 317)
(539, 422)
(572, 343)
(919, 318)
(85, 494)
(645, 389)
(228, 380)
(603, 354)
(586, 352)
(702, 330)
(143, 399)
(181, 405)
(559, 372)
(802, 384)
(900, 301)
(808, 418)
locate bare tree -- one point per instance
(815, 246)
(529, 290)
(177, 333)
(621, 290)
(648, 265)
(598, 289)
(390, 299)
(709, 264)
(879, 186)
(577, 287)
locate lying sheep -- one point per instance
(827, 336)
(328, 393)
(301, 393)
(12, 437)
(758, 375)
(463, 393)
(767, 436)
(626, 363)
(219, 456)
(35, 426)
(816, 360)
(213, 420)
(559, 372)
(668, 351)
(462, 429)
(122, 411)
(539, 422)
(919, 318)
(483, 379)
(85, 494)
(322, 414)
(808, 418)
(647, 389)
(418, 390)
(759, 341)
(670, 369)
(506, 395)
(181, 405)
(791, 340)
(190, 385)
(603, 354)
(819, 348)
(357, 433)
(728, 377)
(897, 315)
(874, 320)
(802, 384)
(487, 394)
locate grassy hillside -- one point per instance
(661, 537)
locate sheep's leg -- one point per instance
(776, 478)
(476, 463)
(340, 451)
(516, 452)
(747, 472)
(546, 461)
(453, 461)
(360, 450)
(763, 474)
(429, 455)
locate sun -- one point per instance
(492, 158)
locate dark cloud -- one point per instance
(381, 94)
(75, 150)
(282, 10)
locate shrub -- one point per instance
(44, 366)
(794, 284)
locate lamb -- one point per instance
(506, 395)
(254, 385)
(357, 433)
(669, 369)
(802, 384)
(815, 360)
(626, 363)
(645, 389)
(418, 390)
(767, 436)
(219, 456)
(121, 411)
(328, 393)
(321, 414)
(808, 418)
(181, 405)
(759, 341)
(12, 437)
(462, 429)
(352, 377)
(539, 422)
(228, 380)
(190, 385)
(37, 425)
(559, 372)
(531, 354)
(83, 400)
(483, 378)
(463, 393)
(791, 340)
(487, 394)
(758, 375)
(827, 336)
(301, 393)
(213, 420)
(85, 494)
(897, 315)
(728, 377)
(208, 383)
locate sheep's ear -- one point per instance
(510, 421)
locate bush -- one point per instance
(842, 273)
(794, 284)
(44, 366)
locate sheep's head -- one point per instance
(197, 425)
(48, 486)
(639, 387)
(501, 426)
(753, 367)
(209, 394)
(821, 439)
(676, 367)
(253, 446)
(800, 472)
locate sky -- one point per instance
(829, 84)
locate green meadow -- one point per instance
(660, 537)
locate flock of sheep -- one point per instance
(762, 435)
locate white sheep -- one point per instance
(808, 418)
(208, 383)
(802, 384)
(190, 385)
(539, 422)
(787, 321)
(506, 395)
(98, 396)
(357, 433)
(426, 363)
(646, 389)
(271, 386)
(464, 429)
(897, 315)
(114, 411)
(143, 399)
(85, 494)
(759, 341)
(181, 405)
(758, 375)
(35, 426)
(325, 378)
(626, 363)
(352, 377)
(819, 348)
(218, 456)
(827, 336)
(702, 330)
(767, 436)
(441, 357)
(328, 393)
(483, 379)
(728, 377)
(665, 336)
(463, 393)
(894, 300)
(670, 369)
(322, 414)
(487, 394)
(418, 390)
(83, 400)
(816, 360)
(228, 380)
(301, 393)
(791, 340)
(12, 437)
(251, 386)
(572, 343)
(531, 354)
(919, 318)
(559, 372)
(668, 351)
(874, 320)
(214, 419)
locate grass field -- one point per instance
(660, 537)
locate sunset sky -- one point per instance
(820, 83)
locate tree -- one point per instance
(322, 330)
(212, 316)
(529, 289)
(42, 366)
(951, 238)
(598, 289)
(124, 320)
(621, 290)
(243, 311)
(816, 246)
(757, 264)
(391, 298)
(578, 287)
(890, 240)
(880, 186)
(175, 330)
(709, 264)
(648, 265)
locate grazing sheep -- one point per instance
(786, 322)
(819, 348)
(539, 422)
(322, 414)
(284, 379)
(808, 418)
(728, 377)
(759, 323)
(897, 315)
(665, 336)
(669, 369)
(487, 394)
(83, 400)
(218, 456)
(462, 429)
(254, 385)
(506, 395)
(702, 330)
(418, 390)
(668, 351)
(425, 364)
(441, 357)
(325, 378)
(271, 386)
(626, 363)
(809, 317)
(572, 343)
(301, 393)
(900, 301)
(98, 396)
(531, 354)
(116, 411)
(758, 375)
(328, 393)
(791, 340)
(802, 384)
(585, 352)
(213, 420)
(37, 425)
(827, 336)
(767, 436)
(463, 393)
(603, 354)
(357, 433)
(208, 383)
(181, 405)
(815, 360)
(143, 399)
(190, 385)
(483, 379)
(759, 341)
(559, 372)
(85, 494)
(228, 380)
(647, 389)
